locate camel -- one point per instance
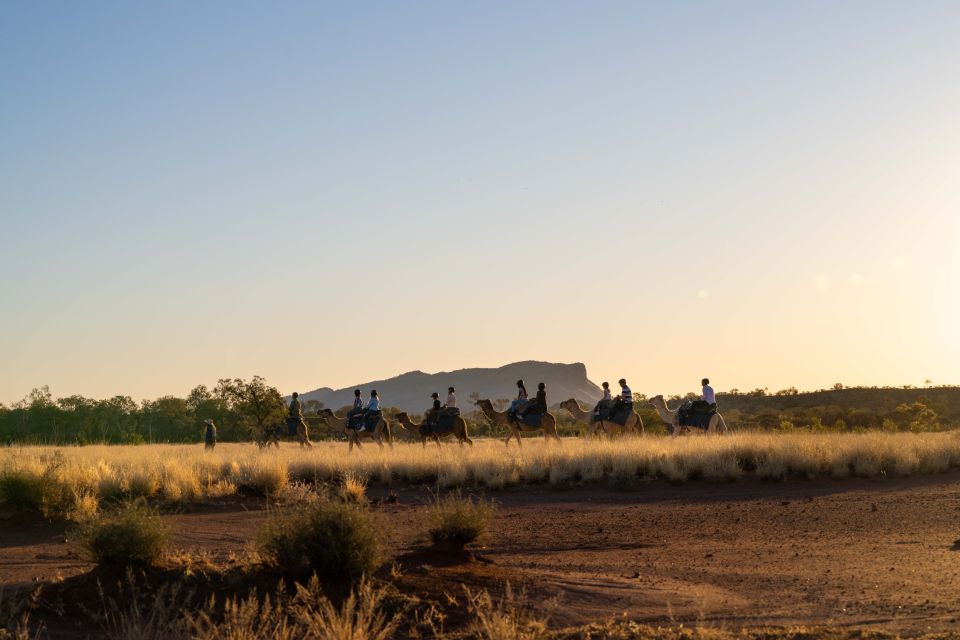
(548, 423)
(380, 433)
(271, 436)
(634, 422)
(459, 429)
(672, 418)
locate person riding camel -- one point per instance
(624, 400)
(708, 399)
(537, 406)
(357, 406)
(519, 402)
(451, 398)
(373, 406)
(433, 414)
(603, 407)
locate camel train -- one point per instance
(612, 416)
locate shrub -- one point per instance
(456, 521)
(353, 489)
(24, 491)
(134, 535)
(336, 540)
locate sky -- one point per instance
(765, 193)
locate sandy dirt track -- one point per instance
(847, 552)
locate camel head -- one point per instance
(402, 417)
(484, 404)
(570, 405)
(324, 414)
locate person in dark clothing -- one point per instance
(434, 412)
(357, 407)
(539, 404)
(210, 434)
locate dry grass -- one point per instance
(80, 476)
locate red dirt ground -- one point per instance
(878, 553)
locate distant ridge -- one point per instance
(411, 391)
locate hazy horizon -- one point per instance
(324, 194)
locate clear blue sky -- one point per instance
(327, 193)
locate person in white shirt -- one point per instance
(451, 398)
(708, 395)
(707, 401)
(372, 406)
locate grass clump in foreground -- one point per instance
(335, 540)
(456, 521)
(132, 536)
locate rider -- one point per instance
(434, 412)
(539, 404)
(451, 398)
(520, 401)
(624, 400)
(373, 406)
(605, 402)
(708, 399)
(357, 406)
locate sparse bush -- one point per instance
(508, 619)
(353, 489)
(337, 541)
(133, 535)
(456, 521)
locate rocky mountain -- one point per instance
(411, 391)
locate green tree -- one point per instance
(259, 406)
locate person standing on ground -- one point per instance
(295, 416)
(209, 434)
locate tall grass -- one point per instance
(185, 473)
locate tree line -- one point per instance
(241, 407)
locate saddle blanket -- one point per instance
(697, 419)
(531, 419)
(369, 420)
(620, 417)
